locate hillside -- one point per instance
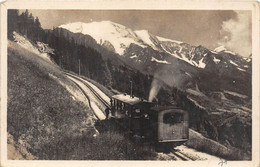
(48, 117)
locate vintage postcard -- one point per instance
(123, 83)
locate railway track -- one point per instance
(181, 155)
(92, 105)
(174, 154)
(91, 89)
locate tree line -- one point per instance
(25, 23)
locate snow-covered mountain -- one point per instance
(150, 53)
(118, 36)
(133, 44)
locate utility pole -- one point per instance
(131, 89)
(79, 66)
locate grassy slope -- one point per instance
(44, 119)
(201, 143)
(40, 110)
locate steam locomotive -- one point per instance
(162, 125)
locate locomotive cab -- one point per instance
(172, 124)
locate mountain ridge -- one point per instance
(118, 38)
(155, 55)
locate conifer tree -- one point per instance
(12, 22)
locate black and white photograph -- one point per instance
(112, 85)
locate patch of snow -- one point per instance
(192, 52)
(184, 58)
(180, 50)
(146, 38)
(235, 94)
(246, 66)
(220, 49)
(216, 60)
(134, 56)
(247, 59)
(173, 54)
(195, 63)
(194, 92)
(160, 61)
(233, 63)
(201, 64)
(196, 103)
(214, 52)
(223, 110)
(230, 52)
(169, 40)
(240, 69)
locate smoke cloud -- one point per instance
(237, 34)
(155, 87)
(171, 77)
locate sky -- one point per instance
(209, 28)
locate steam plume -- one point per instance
(171, 77)
(156, 86)
(237, 34)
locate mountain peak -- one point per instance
(119, 36)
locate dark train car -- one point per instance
(172, 124)
(152, 123)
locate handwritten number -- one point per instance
(222, 162)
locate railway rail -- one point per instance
(174, 154)
(181, 155)
(91, 89)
